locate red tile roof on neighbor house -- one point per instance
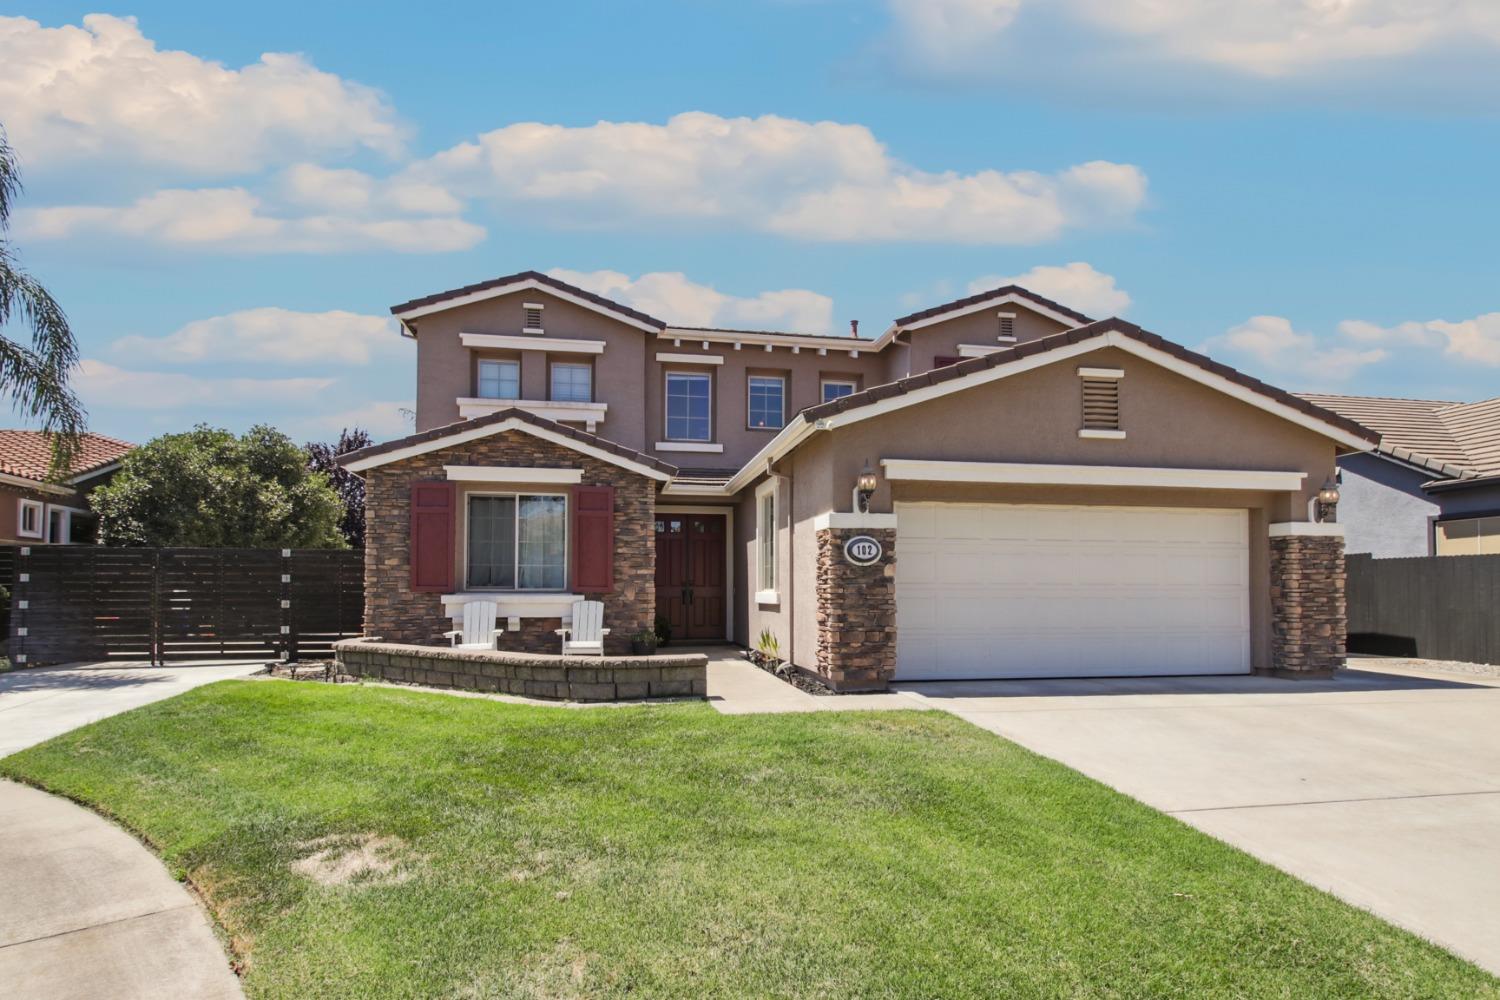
(1454, 441)
(28, 454)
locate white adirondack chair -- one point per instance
(585, 636)
(479, 631)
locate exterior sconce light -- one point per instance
(1328, 501)
(864, 489)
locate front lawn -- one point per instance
(369, 842)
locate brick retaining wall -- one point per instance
(570, 678)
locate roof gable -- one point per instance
(520, 282)
(995, 296)
(510, 419)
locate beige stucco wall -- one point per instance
(915, 350)
(1170, 421)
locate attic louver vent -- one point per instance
(1007, 328)
(533, 317)
(1101, 404)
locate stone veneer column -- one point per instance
(1308, 614)
(856, 612)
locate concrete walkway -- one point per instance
(85, 909)
(1380, 785)
(738, 687)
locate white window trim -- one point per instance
(824, 383)
(705, 444)
(1100, 433)
(516, 546)
(1085, 372)
(552, 385)
(479, 375)
(699, 446)
(979, 350)
(776, 378)
(511, 474)
(690, 359)
(528, 307)
(767, 595)
(506, 342)
(41, 519)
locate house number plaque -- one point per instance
(862, 550)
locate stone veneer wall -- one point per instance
(395, 613)
(572, 678)
(856, 613)
(1308, 613)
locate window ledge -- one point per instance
(702, 446)
(551, 409)
(1102, 435)
(767, 597)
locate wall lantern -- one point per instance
(864, 489)
(1328, 501)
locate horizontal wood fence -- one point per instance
(85, 602)
(1435, 607)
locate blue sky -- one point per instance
(227, 206)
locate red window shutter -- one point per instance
(593, 539)
(432, 539)
(944, 360)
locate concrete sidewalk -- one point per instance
(86, 911)
(738, 687)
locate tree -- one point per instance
(36, 377)
(209, 488)
(349, 487)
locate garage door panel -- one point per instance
(995, 590)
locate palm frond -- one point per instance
(10, 180)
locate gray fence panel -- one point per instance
(1435, 607)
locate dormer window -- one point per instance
(533, 317)
(1007, 328)
(1101, 402)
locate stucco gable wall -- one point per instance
(446, 369)
(982, 327)
(1169, 420)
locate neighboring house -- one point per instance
(1046, 495)
(36, 510)
(1433, 485)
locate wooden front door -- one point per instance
(690, 574)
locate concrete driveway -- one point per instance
(38, 704)
(85, 909)
(1380, 786)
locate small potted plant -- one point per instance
(643, 643)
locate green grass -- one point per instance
(670, 851)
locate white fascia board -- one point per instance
(1309, 529)
(690, 359)
(475, 433)
(1011, 298)
(785, 440)
(774, 339)
(521, 286)
(1086, 372)
(682, 490)
(846, 519)
(1027, 473)
(505, 342)
(32, 484)
(510, 474)
(92, 473)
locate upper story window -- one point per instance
(689, 406)
(767, 402)
(834, 388)
(517, 541)
(500, 380)
(572, 383)
(533, 317)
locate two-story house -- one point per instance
(997, 486)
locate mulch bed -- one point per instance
(793, 676)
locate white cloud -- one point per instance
(670, 296)
(1127, 44)
(809, 180)
(1076, 285)
(383, 420)
(1271, 343)
(236, 221)
(101, 384)
(103, 90)
(1476, 340)
(270, 334)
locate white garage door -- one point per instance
(1012, 590)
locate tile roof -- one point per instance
(537, 276)
(28, 454)
(500, 416)
(994, 293)
(1098, 329)
(773, 333)
(1452, 440)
